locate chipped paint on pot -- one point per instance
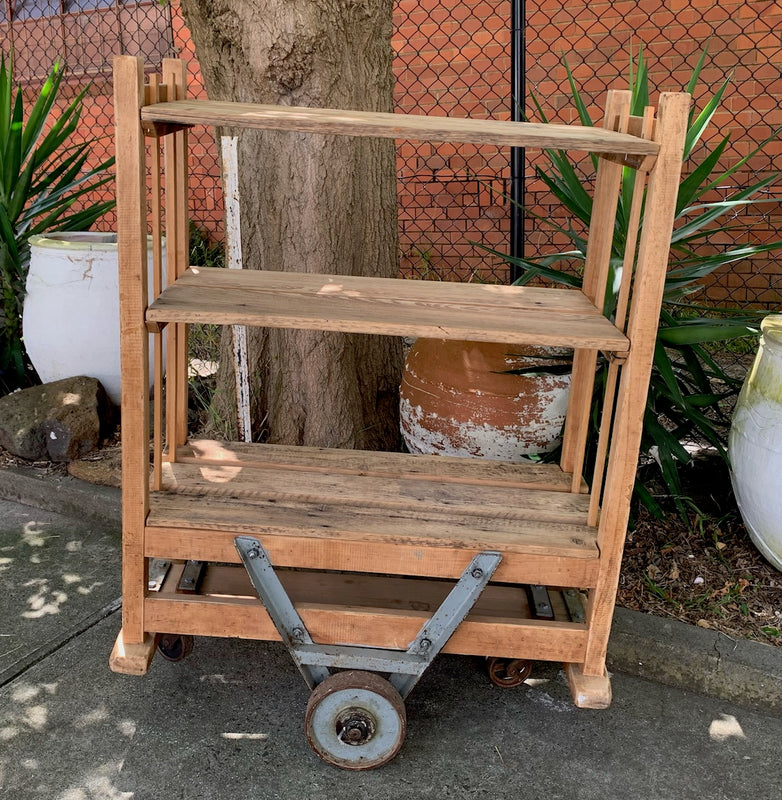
(458, 400)
(755, 445)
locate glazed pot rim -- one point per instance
(771, 327)
(79, 240)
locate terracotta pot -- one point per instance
(457, 399)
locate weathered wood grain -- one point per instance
(396, 126)
(387, 306)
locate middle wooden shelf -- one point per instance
(390, 306)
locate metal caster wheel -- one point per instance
(175, 647)
(355, 720)
(508, 672)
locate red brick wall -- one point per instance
(743, 39)
(452, 58)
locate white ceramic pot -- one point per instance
(755, 445)
(70, 321)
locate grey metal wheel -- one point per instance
(355, 720)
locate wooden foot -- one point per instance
(589, 691)
(132, 659)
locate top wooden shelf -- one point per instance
(396, 126)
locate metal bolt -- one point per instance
(253, 553)
(477, 573)
(297, 634)
(425, 644)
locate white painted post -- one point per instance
(234, 261)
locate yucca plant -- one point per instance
(688, 387)
(42, 175)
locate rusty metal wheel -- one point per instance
(355, 720)
(175, 646)
(508, 672)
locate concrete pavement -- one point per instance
(227, 722)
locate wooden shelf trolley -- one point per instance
(339, 525)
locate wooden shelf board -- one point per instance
(478, 471)
(397, 126)
(382, 512)
(375, 497)
(443, 310)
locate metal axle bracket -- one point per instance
(405, 666)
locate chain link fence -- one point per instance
(742, 37)
(453, 58)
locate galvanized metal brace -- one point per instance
(405, 666)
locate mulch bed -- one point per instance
(705, 571)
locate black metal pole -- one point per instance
(517, 98)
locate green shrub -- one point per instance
(42, 175)
(689, 388)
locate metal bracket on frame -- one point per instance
(405, 666)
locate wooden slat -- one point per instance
(623, 296)
(341, 552)
(387, 306)
(653, 252)
(355, 492)
(476, 471)
(596, 269)
(384, 291)
(325, 520)
(153, 96)
(491, 636)
(171, 154)
(132, 255)
(175, 75)
(176, 69)
(397, 126)
(603, 218)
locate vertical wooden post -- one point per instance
(175, 158)
(596, 269)
(157, 287)
(178, 74)
(642, 330)
(132, 254)
(620, 319)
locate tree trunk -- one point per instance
(312, 203)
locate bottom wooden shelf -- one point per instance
(370, 610)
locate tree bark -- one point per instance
(312, 203)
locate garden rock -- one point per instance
(59, 421)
